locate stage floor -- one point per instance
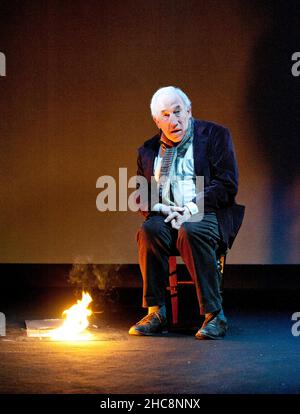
(258, 356)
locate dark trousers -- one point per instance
(196, 242)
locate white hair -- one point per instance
(165, 91)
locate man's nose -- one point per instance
(173, 120)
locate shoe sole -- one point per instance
(204, 337)
(136, 333)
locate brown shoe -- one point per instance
(214, 329)
(151, 324)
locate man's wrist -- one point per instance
(192, 208)
(157, 207)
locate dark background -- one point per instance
(75, 106)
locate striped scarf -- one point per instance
(171, 151)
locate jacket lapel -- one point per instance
(201, 163)
(151, 152)
(149, 164)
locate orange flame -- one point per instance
(76, 321)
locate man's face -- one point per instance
(172, 117)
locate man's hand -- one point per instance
(178, 217)
(168, 210)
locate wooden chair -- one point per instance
(174, 283)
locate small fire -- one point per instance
(76, 321)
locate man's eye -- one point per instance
(177, 112)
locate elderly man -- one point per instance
(185, 149)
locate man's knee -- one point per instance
(150, 229)
(187, 231)
(196, 233)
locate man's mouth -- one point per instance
(175, 131)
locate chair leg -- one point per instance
(222, 261)
(173, 282)
(173, 288)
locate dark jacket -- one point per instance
(214, 158)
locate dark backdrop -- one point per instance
(75, 106)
